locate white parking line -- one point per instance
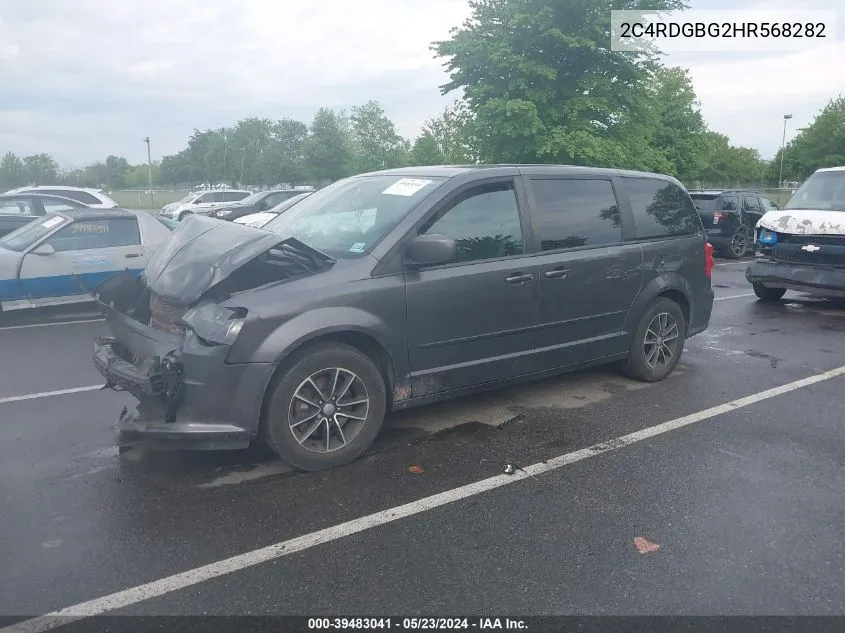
(47, 394)
(732, 264)
(20, 327)
(748, 294)
(157, 588)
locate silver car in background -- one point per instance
(201, 202)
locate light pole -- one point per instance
(786, 117)
(146, 139)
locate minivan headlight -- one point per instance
(215, 324)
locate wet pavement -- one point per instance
(745, 505)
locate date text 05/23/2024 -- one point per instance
(417, 624)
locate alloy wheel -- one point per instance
(328, 410)
(661, 340)
(739, 244)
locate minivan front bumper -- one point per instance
(188, 396)
(816, 280)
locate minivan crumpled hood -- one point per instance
(804, 222)
(203, 252)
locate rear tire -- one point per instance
(768, 295)
(658, 342)
(326, 409)
(738, 246)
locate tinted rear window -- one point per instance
(572, 213)
(702, 202)
(79, 196)
(660, 208)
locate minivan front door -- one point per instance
(473, 320)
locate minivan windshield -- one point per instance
(349, 217)
(27, 235)
(823, 190)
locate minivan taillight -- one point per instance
(717, 216)
(708, 259)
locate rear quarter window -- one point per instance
(660, 209)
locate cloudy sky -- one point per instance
(84, 78)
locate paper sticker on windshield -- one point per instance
(357, 247)
(49, 224)
(406, 187)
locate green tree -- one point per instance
(726, 165)
(821, 144)
(41, 169)
(680, 126)
(12, 172)
(283, 162)
(176, 169)
(544, 86)
(328, 149)
(448, 139)
(138, 175)
(117, 171)
(426, 150)
(376, 143)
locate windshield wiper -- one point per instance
(309, 258)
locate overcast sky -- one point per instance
(85, 78)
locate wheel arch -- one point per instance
(671, 286)
(361, 340)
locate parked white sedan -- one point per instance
(42, 262)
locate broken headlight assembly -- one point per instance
(214, 324)
(766, 239)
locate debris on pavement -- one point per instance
(510, 469)
(416, 470)
(644, 547)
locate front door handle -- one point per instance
(557, 273)
(129, 255)
(519, 278)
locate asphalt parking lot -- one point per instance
(730, 471)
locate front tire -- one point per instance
(184, 215)
(326, 409)
(768, 295)
(658, 342)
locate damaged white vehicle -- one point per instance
(802, 246)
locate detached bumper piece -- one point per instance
(158, 384)
(820, 280)
(155, 378)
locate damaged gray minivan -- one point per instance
(397, 288)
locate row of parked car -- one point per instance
(254, 209)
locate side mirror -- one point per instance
(430, 250)
(44, 249)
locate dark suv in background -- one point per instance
(400, 288)
(729, 217)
